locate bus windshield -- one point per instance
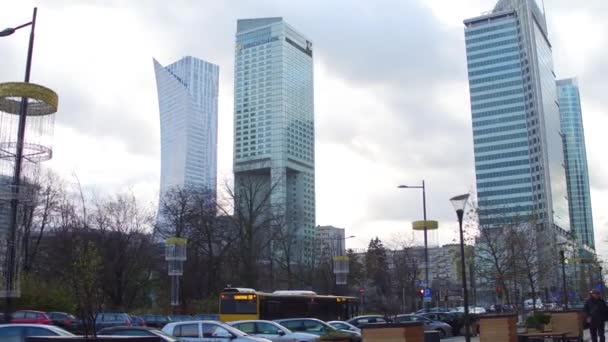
(238, 303)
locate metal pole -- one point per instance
(11, 245)
(563, 261)
(467, 328)
(426, 247)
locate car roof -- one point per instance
(297, 319)
(192, 322)
(252, 320)
(36, 311)
(128, 328)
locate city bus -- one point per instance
(244, 304)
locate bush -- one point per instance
(537, 320)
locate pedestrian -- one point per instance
(596, 313)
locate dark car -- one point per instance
(359, 321)
(444, 329)
(156, 321)
(206, 317)
(453, 319)
(180, 318)
(318, 327)
(136, 331)
(137, 321)
(112, 319)
(66, 321)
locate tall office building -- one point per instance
(187, 100)
(274, 120)
(516, 124)
(579, 197)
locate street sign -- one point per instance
(428, 295)
(421, 283)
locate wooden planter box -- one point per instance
(398, 332)
(498, 328)
(571, 321)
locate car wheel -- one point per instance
(441, 333)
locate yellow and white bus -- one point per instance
(244, 304)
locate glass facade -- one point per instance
(187, 98)
(515, 117)
(274, 119)
(579, 197)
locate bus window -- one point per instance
(238, 304)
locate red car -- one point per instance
(31, 317)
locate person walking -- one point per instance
(596, 313)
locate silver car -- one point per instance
(272, 331)
(344, 326)
(208, 331)
(444, 329)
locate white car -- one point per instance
(272, 331)
(19, 332)
(208, 331)
(344, 326)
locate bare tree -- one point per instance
(255, 218)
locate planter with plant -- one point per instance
(538, 321)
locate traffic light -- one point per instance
(421, 292)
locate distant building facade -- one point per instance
(274, 122)
(332, 239)
(187, 100)
(577, 173)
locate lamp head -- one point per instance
(7, 32)
(460, 202)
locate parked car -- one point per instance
(344, 326)
(180, 318)
(450, 318)
(137, 321)
(156, 321)
(66, 321)
(319, 328)
(272, 331)
(203, 331)
(206, 317)
(31, 317)
(19, 332)
(112, 319)
(444, 329)
(368, 319)
(136, 331)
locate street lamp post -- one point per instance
(459, 203)
(11, 261)
(562, 259)
(426, 247)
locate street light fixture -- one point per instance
(460, 203)
(11, 272)
(425, 228)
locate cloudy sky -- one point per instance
(391, 96)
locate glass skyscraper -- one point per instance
(274, 120)
(579, 197)
(516, 124)
(187, 100)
